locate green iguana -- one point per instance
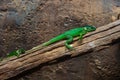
(14, 53)
(69, 35)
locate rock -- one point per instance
(49, 18)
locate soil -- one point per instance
(25, 24)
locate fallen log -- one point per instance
(94, 41)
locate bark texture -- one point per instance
(94, 41)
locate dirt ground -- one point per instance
(25, 24)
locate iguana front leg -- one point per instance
(19, 52)
(70, 39)
(81, 36)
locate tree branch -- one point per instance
(93, 41)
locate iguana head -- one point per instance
(20, 51)
(89, 28)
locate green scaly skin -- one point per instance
(14, 53)
(69, 35)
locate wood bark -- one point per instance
(94, 41)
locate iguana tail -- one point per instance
(34, 49)
(53, 40)
(41, 46)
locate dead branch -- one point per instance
(93, 41)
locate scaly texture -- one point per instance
(69, 35)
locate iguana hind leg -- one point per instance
(70, 39)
